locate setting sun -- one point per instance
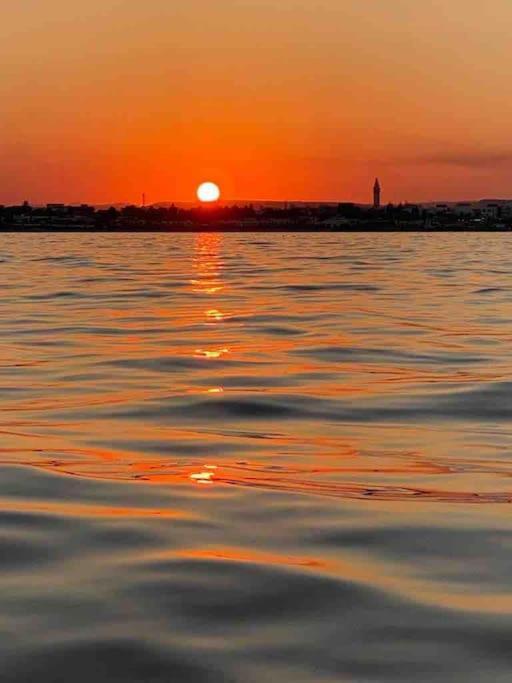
(208, 192)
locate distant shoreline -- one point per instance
(345, 217)
(16, 228)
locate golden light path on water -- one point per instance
(255, 457)
(208, 265)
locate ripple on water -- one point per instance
(221, 465)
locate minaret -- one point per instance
(376, 194)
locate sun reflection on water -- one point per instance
(208, 263)
(215, 353)
(215, 316)
(208, 267)
(206, 476)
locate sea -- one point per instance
(255, 458)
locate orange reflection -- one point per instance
(217, 353)
(215, 316)
(84, 510)
(208, 263)
(204, 477)
(208, 266)
(388, 576)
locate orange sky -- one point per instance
(273, 99)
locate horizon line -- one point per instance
(246, 201)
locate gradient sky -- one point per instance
(273, 99)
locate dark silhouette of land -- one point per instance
(489, 215)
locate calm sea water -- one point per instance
(255, 458)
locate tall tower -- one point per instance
(376, 194)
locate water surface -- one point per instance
(255, 457)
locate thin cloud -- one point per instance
(470, 159)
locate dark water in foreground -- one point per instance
(253, 458)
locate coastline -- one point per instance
(212, 227)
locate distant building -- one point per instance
(57, 209)
(464, 208)
(376, 194)
(349, 210)
(442, 208)
(491, 210)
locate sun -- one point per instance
(208, 192)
